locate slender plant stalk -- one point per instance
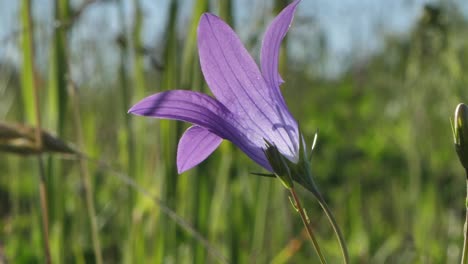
(137, 246)
(189, 52)
(336, 229)
(305, 220)
(29, 85)
(169, 133)
(464, 259)
(138, 64)
(44, 208)
(126, 97)
(86, 179)
(42, 178)
(59, 65)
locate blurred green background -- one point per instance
(379, 81)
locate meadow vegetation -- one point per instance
(384, 160)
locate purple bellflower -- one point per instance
(247, 109)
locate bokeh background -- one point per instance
(379, 80)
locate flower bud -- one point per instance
(460, 133)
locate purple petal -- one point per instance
(206, 112)
(195, 145)
(271, 46)
(228, 68)
(237, 83)
(189, 106)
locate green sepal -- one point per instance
(314, 142)
(278, 164)
(288, 171)
(263, 174)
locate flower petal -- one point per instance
(195, 145)
(271, 46)
(204, 111)
(189, 106)
(237, 83)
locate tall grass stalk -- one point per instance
(189, 53)
(202, 199)
(169, 133)
(126, 94)
(260, 225)
(33, 114)
(135, 250)
(56, 119)
(84, 171)
(59, 64)
(132, 152)
(139, 81)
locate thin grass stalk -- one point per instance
(169, 81)
(169, 131)
(87, 187)
(193, 180)
(137, 243)
(138, 64)
(201, 204)
(219, 210)
(126, 97)
(138, 82)
(189, 53)
(260, 225)
(191, 78)
(60, 65)
(29, 85)
(239, 210)
(226, 11)
(306, 222)
(27, 73)
(44, 208)
(56, 117)
(225, 172)
(234, 225)
(336, 228)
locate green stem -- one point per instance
(87, 187)
(42, 178)
(336, 229)
(44, 209)
(305, 220)
(33, 113)
(464, 259)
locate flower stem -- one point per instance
(307, 225)
(464, 259)
(336, 229)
